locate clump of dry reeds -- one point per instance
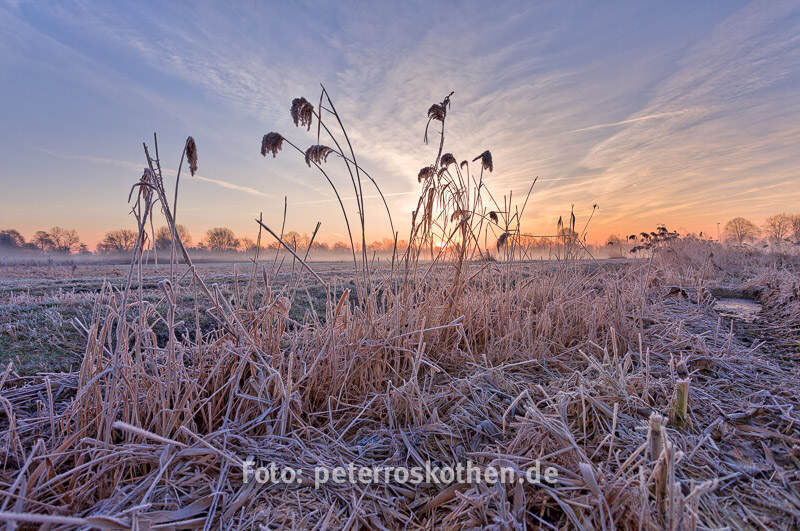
(570, 364)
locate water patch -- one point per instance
(738, 308)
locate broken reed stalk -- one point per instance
(679, 412)
(655, 436)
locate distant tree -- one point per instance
(384, 245)
(12, 239)
(320, 247)
(740, 230)
(296, 240)
(567, 235)
(164, 237)
(221, 239)
(778, 227)
(616, 246)
(117, 241)
(796, 228)
(247, 245)
(43, 240)
(65, 240)
(341, 247)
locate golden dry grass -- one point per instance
(655, 412)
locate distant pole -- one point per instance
(718, 231)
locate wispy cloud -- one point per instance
(233, 186)
(133, 166)
(629, 121)
(676, 118)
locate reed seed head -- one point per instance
(272, 142)
(460, 213)
(448, 159)
(425, 173)
(437, 111)
(501, 241)
(486, 160)
(191, 155)
(317, 154)
(302, 112)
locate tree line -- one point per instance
(215, 240)
(57, 239)
(780, 229)
(777, 230)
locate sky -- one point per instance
(678, 113)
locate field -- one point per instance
(659, 392)
(579, 364)
(44, 308)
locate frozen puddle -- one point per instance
(738, 308)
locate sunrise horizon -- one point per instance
(347, 264)
(685, 119)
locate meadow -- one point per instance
(662, 389)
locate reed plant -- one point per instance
(458, 349)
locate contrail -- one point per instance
(630, 121)
(232, 186)
(133, 165)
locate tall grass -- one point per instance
(442, 355)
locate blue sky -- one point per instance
(660, 112)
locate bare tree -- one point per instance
(12, 239)
(164, 237)
(221, 239)
(740, 230)
(117, 241)
(778, 227)
(297, 240)
(247, 245)
(615, 246)
(43, 240)
(340, 247)
(796, 228)
(65, 240)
